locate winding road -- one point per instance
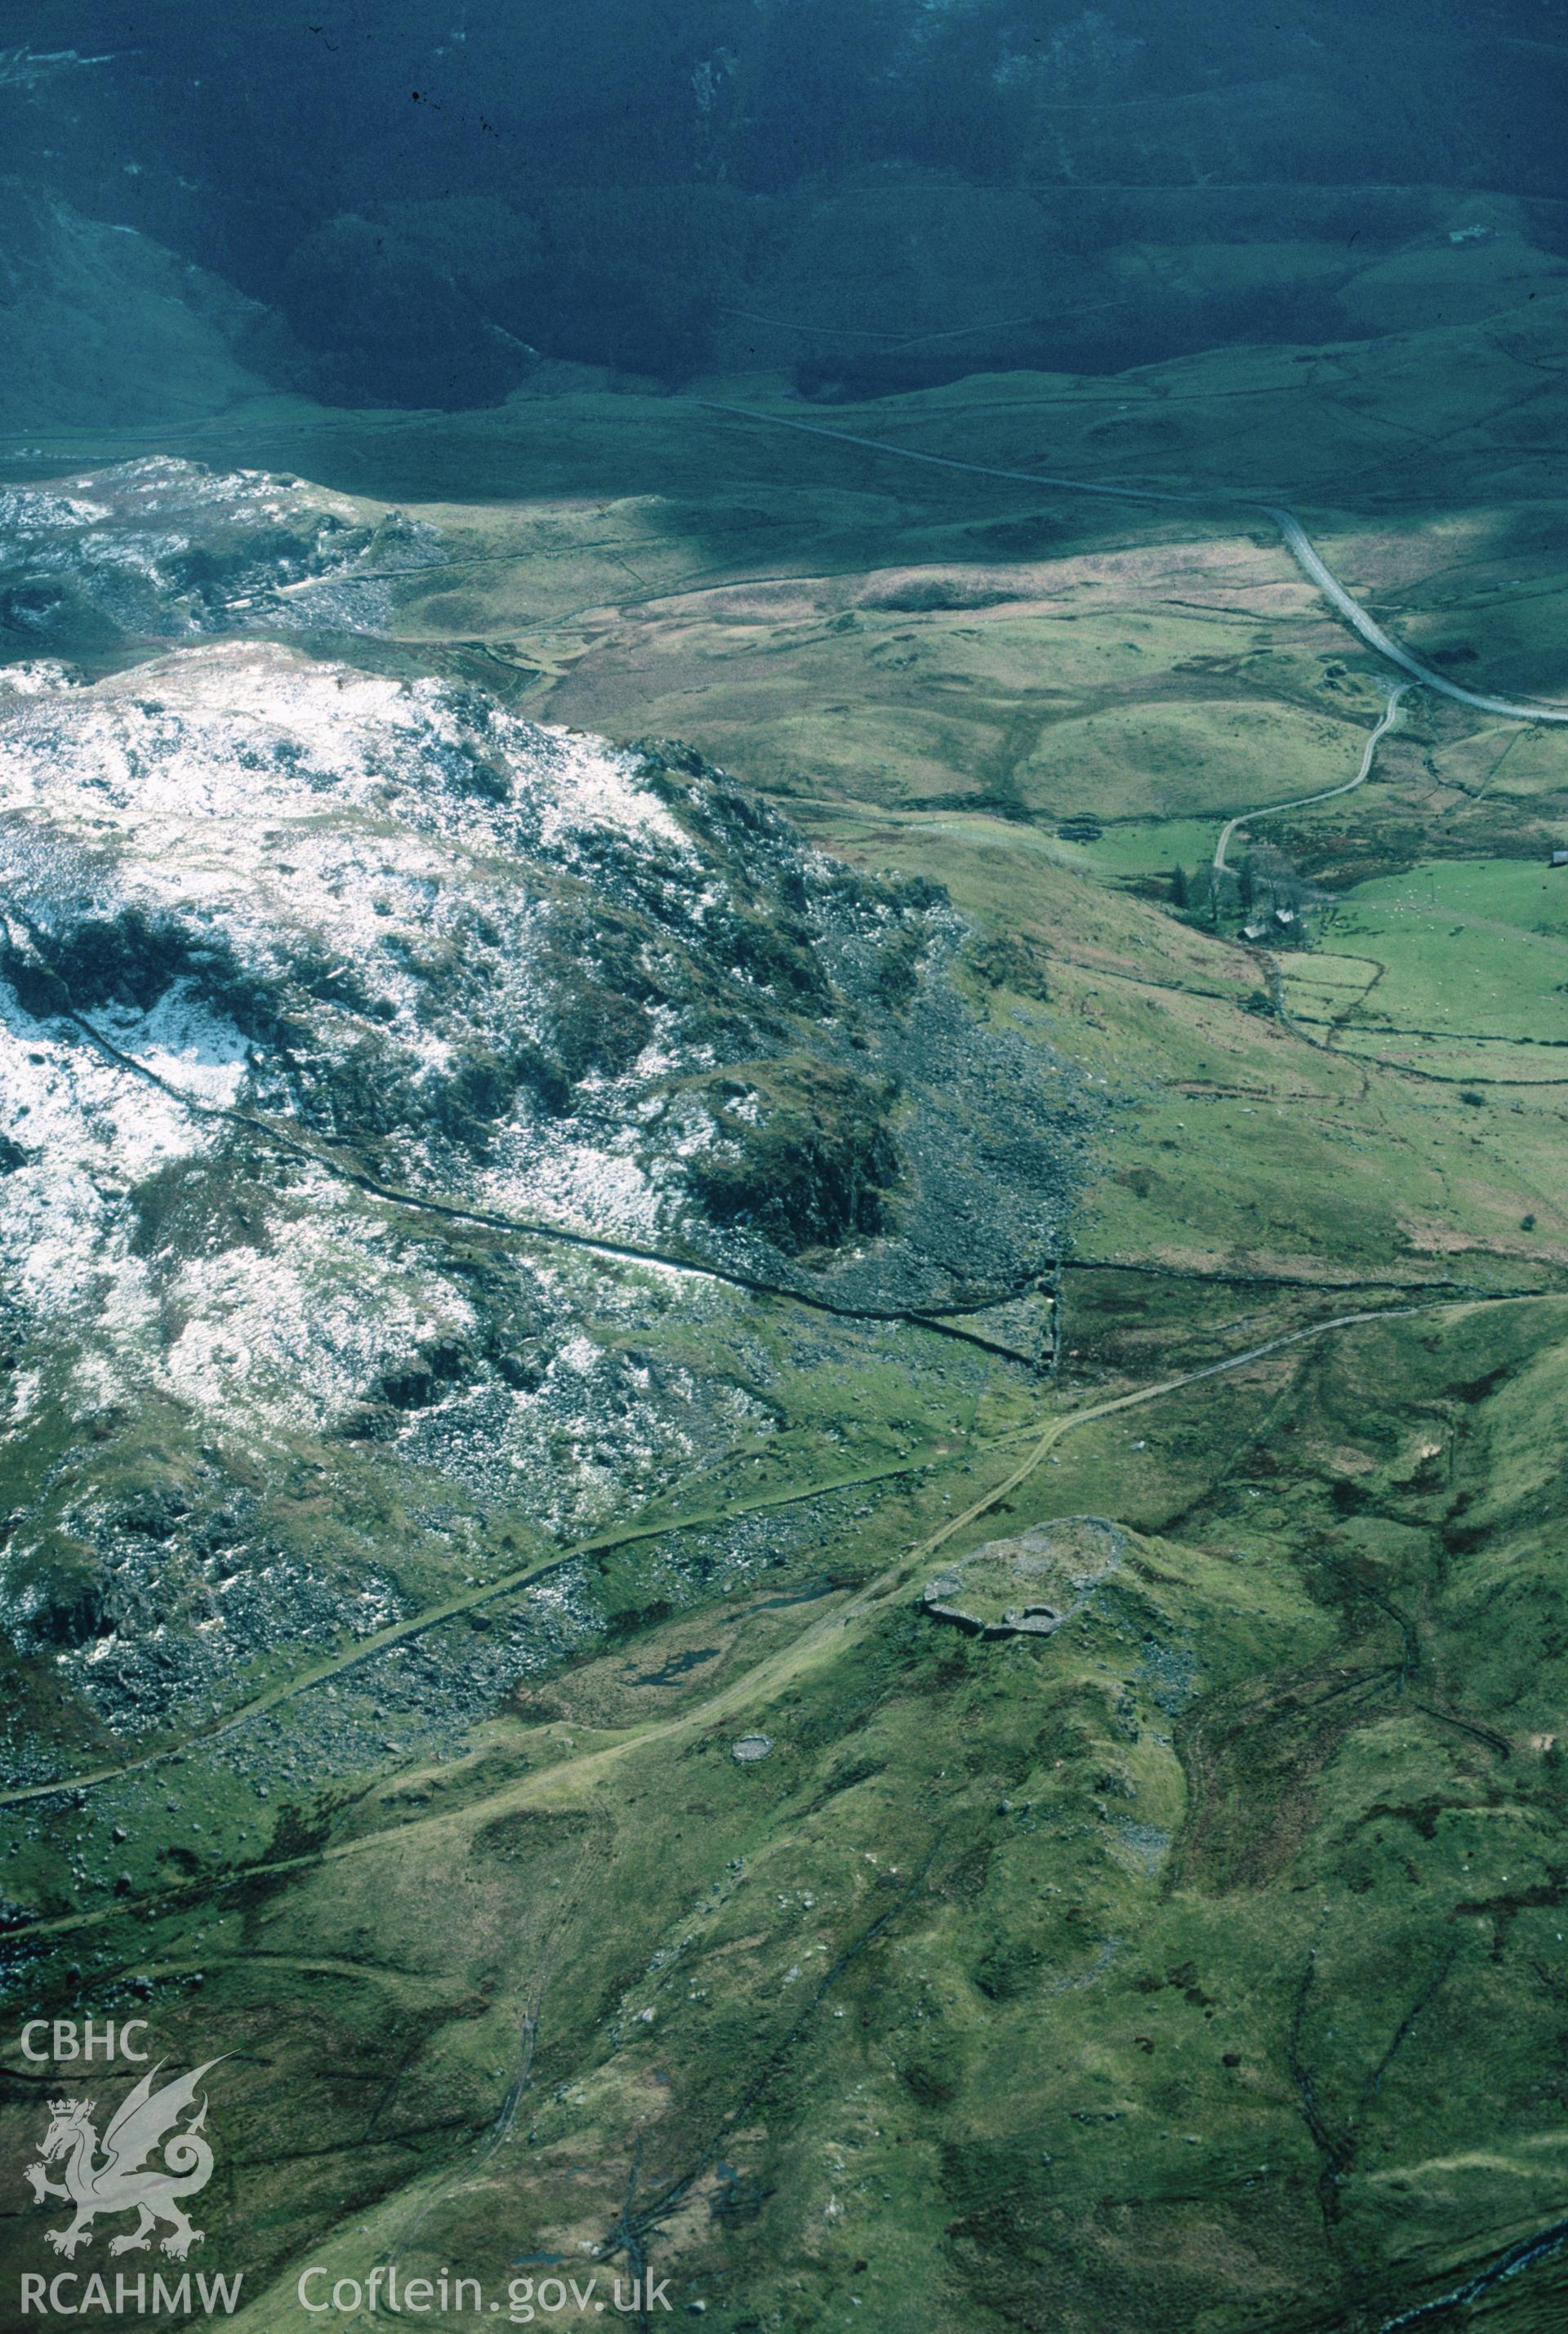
(1325, 794)
(1292, 533)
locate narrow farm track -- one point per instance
(1326, 794)
(509, 1584)
(564, 1780)
(1292, 534)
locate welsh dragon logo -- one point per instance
(120, 2179)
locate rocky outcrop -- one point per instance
(1030, 1586)
(160, 549)
(392, 1092)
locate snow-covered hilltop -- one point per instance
(161, 549)
(496, 963)
(313, 983)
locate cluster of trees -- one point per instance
(1262, 888)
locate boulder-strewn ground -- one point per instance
(313, 983)
(159, 549)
